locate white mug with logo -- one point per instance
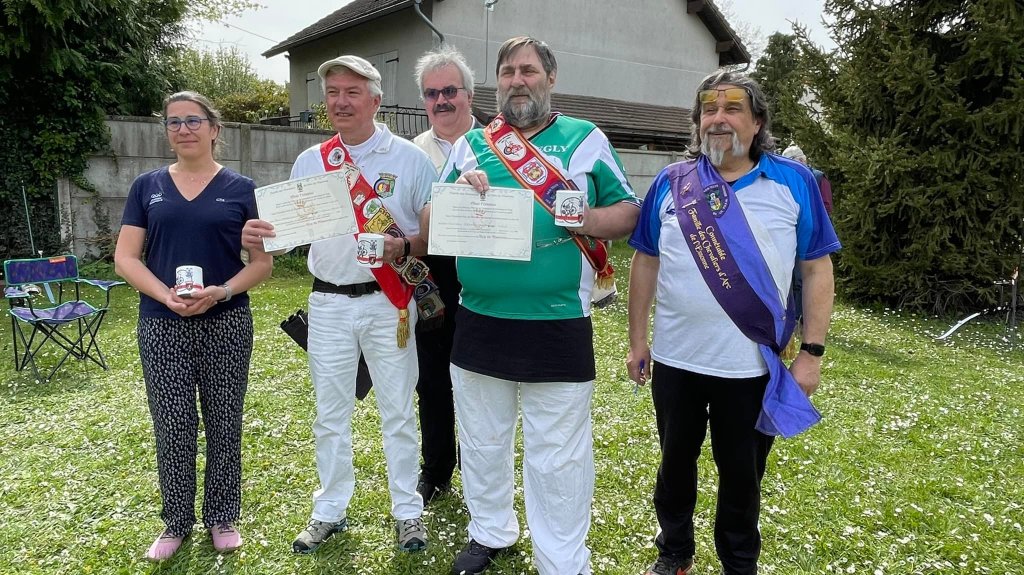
(188, 280)
(370, 250)
(569, 207)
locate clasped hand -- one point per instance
(197, 304)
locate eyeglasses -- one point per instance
(448, 92)
(173, 124)
(731, 95)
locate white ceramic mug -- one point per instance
(569, 207)
(370, 250)
(188, 280)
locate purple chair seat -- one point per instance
(65, 312)
(102, 284)
(70, 322)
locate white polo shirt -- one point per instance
(383, 159)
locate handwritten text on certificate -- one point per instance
(307, 209)
(497, 226)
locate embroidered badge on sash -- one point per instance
(385, 186)
(717, 198)
(359, 199)
(533, 172)
(336, 157)
(371, 207)
(415, 272)
(351, 175)
(497, 124)
(423, 290)
(400, 264)
(511, 147)
(549, 194)
(380, 222)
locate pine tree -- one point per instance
(778, 72)
(923, 121)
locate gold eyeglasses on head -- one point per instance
(731, 95)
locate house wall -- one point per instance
(402, 32)
(651, 52)
(264, 153)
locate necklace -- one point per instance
(201, 178)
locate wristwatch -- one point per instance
(815, 349)
(227, 293)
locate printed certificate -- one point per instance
(498, 226)
(307, 209)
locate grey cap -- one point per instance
(793, 152)
(354, 63)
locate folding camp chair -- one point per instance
(70, 323)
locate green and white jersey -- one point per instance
(557, 281)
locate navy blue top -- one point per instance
(205, 232)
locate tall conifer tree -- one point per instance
(923, 108)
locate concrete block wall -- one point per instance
(264, 153)
(642, 167)
(138, 145)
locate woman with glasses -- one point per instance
(191, 214)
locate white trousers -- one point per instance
(339, 328)
(558, 465)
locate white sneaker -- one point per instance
(412, 535)
(315, 533)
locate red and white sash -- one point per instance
(403, 278)
(534, 172)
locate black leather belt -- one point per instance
(351, 290)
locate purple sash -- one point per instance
(726, 253)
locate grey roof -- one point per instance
(730, 48)
(627, 124)
(352, 14)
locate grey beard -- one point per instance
(717, 155)
(529, 114)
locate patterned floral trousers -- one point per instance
(180, 357)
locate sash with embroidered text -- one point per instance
(534, 172)
(727, 255)
(402, 279)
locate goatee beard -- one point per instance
(716, 155)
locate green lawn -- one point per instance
(917, 467)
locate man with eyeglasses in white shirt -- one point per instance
(445, 82)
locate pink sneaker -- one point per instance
(165, 546)
(225, 538)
